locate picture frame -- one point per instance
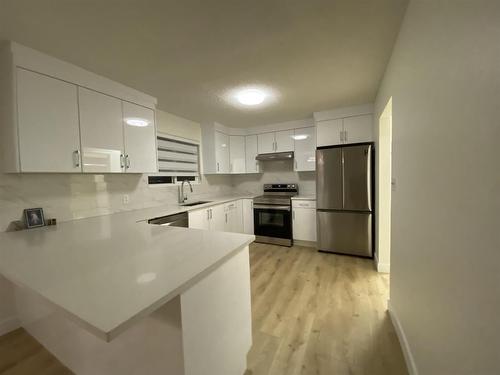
(33, 218)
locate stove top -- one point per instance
(278, 194)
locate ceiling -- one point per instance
(318, 54)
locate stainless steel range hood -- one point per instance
(276, 156)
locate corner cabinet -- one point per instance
(252, 165)
(53, 120)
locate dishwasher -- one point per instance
(175, 220)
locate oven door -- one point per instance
(273, 224)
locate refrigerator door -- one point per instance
(357, 178)
(345, 232)
(329, 178)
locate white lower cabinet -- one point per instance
(233, 217)
(212, 218)
(247, 206)
(304, 220)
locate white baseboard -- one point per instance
(9, 324)
(381, 267)
(410, 362)
(384, 267)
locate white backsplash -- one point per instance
(275, 172)
(73, 196)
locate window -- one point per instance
(178, 160)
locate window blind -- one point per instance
(177, 158)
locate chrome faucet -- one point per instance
(182, 197)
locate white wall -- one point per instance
(444, 79)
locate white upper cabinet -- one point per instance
(101, 132)
(284, 141)
(47, 124)
(251, 151)
(354, 129)
(140, 139)
(237, 154)
(330, 132)
(266, 143)
(305, 149)
(358, 129)
(51, 108)
(221, 152)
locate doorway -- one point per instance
(383, 201)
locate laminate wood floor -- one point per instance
(322, 314)
(313, 313)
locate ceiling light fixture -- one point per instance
(134, 121)
(250, 97)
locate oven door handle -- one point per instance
(272, 207)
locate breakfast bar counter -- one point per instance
(115, 295)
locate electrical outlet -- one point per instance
(125, 199)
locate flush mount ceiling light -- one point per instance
(250, 97)
(135, 121)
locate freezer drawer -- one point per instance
(345, 232)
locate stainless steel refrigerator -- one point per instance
(344, 199)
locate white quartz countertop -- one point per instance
(305, 197)
(108, 271)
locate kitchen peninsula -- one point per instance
(115, 295)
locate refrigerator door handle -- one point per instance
(343, 178)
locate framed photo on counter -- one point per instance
(33, 218)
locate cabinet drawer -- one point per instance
(299, 203)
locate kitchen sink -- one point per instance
(194, 203)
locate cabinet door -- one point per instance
(199, 219)
(304, 224)
(358, 129)
(217, 218)
(247, 207)
(221, 152)
(305, 149)
(251, 151)
(237, 154)
(265, 143)
(330, 132)
(49, 136)
(140, 139)
(101, 132)
(234, 217)
(284, 141)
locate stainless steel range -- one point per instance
(272, 214)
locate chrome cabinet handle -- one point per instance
(76, 158)
(226, 218)
(295, 161)
(341, 136)
(127, 159)
(256, 165)
(293, 215)
(217, 166)
(122, 165)
(208, 214)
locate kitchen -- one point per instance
(219, 189)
